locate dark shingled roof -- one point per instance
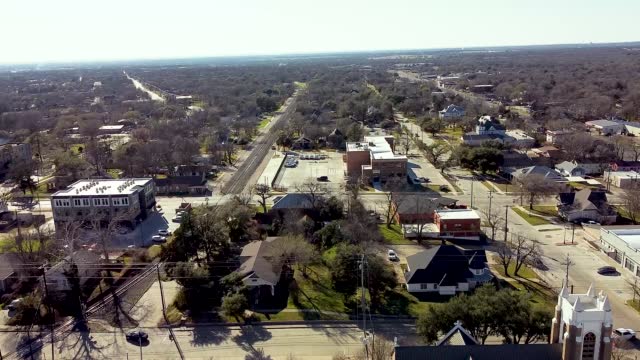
(585, 199)
(444, 265)
(481, 352)
(10, 262)
(181, 180)
(293, 201)
(457, 336)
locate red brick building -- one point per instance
(374, 160)
(418, 208)
(457, 223)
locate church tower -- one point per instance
(582, 324)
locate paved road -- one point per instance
(262, 146)
(305, 341)
(585, 257)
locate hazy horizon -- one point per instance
(86, 31)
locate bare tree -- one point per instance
(525, 251)
(389, 206)
(631, 202)
(262, 190)
(437, 154)
(505, 256)
(535, 187)
(492, 219)
(313, 191)
(293, 250)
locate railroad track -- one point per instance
(35, 344)
(241, 177)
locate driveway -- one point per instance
(403, 251)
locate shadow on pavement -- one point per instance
(206, 335)
(249, 335)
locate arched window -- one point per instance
(588, 346)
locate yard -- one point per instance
(531, 219)
(264, 122)
(526, 280)
(491, 185)
(393, 235)
(546, 210)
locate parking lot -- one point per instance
(308, 169)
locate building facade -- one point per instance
(622, 244)
(125, 200)
(457, 223)
(374, 159)
(583, 325)
(13, 153)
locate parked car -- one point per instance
(137, 336)
(625, 334)
(323, 178)
(607, 270)
(164, 232)
(392, 256)
(158, 238)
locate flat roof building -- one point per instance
(126, 200)
(622, 244)
(374, 159)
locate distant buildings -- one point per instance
(623, 179)
(556, 137)
(13, 153)
(489, 128)
(451, 112)
(374, 159)
(605, 127)
(127, 200)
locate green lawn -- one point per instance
(373, 88)
(502, 187)
(548, 210)
(115, 173)
(527, 280)
(75, 148)
(533, 220)
(300, 85)
(314, 292)
(265, 122)
(393, 235)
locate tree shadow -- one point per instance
(257, 354)
(249, 335)
(81, 343)
(206, 335)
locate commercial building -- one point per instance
(126, 200)
(457, 223)
(605, 127)
(623, 179)
(622, 244)
(374, 159)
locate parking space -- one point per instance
(306, 169)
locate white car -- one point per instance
(164, 232)
(625, 334)
(158, 238)
(392, 256)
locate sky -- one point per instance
(40, 31)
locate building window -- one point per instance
(101, 201)
(424, 286)
(76, 202)
(86, 202)
(588, 346)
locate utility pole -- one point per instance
(567, 262)
(51, 314)
(506, 222)
(363, 300)
(164, 307)
(472, 179)
(490, 198)
(573, 232)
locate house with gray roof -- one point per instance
(544, 171)
(574, 168)
(260, 265)
(451, 112)
(605, 127)
(586, 204)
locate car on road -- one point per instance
(607, 270)
(137, 336)
(323, 178)
(164, 232)
(177, 218)
(158, 238)
(392, 256)
(626, 334)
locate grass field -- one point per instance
(527, 280)
(501, 187)
(393, 235)
(300, 85)
(531, 219)
(634, 304)
(264, 122)
(548, 210)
